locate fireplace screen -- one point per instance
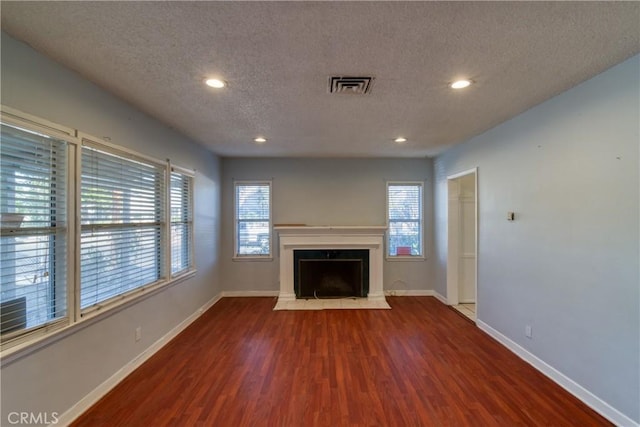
(331, 273)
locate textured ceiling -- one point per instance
(277, 58)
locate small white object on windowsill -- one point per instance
(11, 220)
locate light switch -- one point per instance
(511, 216)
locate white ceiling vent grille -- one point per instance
(350, 85)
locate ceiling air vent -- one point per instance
(350, 85)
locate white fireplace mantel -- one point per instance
(331, 237)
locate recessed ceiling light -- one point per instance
(260, 140)
(400, 140)
(460, 84)
(216, 83)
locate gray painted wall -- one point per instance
(324, 192)
(568, 265)
(56, 377)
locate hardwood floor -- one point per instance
(419, 364)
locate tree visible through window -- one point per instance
(122, 224)
(253, 218)
(33, 209)
(404, 204)
(54, 271)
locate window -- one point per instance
(33, 242)
(404, 210)
(122, 223)
(181, 222)
(134, 230)
(253, 218)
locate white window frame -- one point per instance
(12, 117)
(263, 257)
(116, 300)
(190, 270)
(17, 345)
(421, 256)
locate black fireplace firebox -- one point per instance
(331, 273)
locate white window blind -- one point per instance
(404, 201)
(181, 222)
(253, 219)
(33, 242)
(122, 217)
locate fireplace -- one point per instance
(333, 240)
(322, 273)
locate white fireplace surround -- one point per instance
(331, 237)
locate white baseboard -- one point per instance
(590, 399)
(440, 298)
(409, 292)
(226, 294)
(96, 394)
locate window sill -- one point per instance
(18, 349)
(264, 258)
(133, 296)
(403, 258)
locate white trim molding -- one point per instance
(454, 251)
(588, 398)
(416, 293)
(236, 243)
(440, 297)
(422, 256)
(233, 294)
(409, 292)
(97, 393)
(331, 237)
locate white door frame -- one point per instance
(453, 226)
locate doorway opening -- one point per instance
(462, 239)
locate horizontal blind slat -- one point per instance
(253, 218)
(404, 204)
(122, 209)
(33, 179)
(181, 193)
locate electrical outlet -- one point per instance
(528, 331)
(138, 334)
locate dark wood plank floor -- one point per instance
(419, 364)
